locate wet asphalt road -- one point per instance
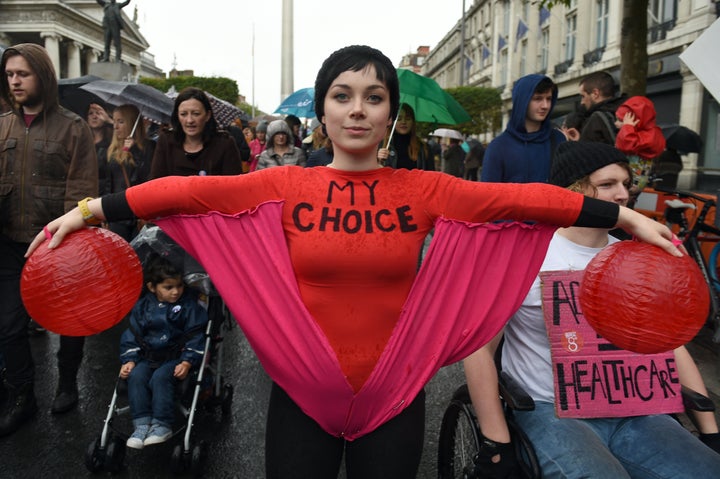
(54, 445)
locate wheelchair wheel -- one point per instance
(524, 451)
(459, 440)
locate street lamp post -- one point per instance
(287, 53)
(462, 45)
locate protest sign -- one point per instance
(594, 378)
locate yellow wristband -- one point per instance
(87, 215)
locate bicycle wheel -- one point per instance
(708, 270)
(714, 267)
(713, 271)
(459, 439)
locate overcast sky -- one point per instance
(214, 37)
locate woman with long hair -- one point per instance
(405, 149)
(128, 157)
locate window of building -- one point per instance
(570, 36)
(545, 49)
(506, 17)
(525, 10)
(503, 73)
(601, 23)
(661, 18)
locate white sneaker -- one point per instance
(158, 434)
(136, 440)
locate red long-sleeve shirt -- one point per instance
(354, 237)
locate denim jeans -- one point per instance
(638, 447)
(151, 392)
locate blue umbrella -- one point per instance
(301, 104)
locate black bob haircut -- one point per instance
(356, 58)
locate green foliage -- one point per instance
(484, 107)
(223, 88)
(550, 3)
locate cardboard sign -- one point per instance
(594, 378)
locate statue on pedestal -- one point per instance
(112, 23)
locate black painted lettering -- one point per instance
(561, 298)
(334, 186)
(326, 218)
(371, 189)
(352, 221)
(379, 222)
(296, 216)
(643, 370)
(405, 219)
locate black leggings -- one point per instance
(297, 447)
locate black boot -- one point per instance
(69, 357)
(66, 397)
(20, 406)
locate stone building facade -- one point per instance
(72, 33)
(506, 39)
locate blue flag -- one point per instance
(501, 43)
(522, 29)
(544, 15)
(485, 52)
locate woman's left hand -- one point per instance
(647, 230)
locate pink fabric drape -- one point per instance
(473, 279)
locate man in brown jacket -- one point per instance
(47, 164)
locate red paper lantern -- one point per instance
(642, 299)
(85, 285)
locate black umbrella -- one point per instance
(152, 103)
(76, 100)
(682, 139)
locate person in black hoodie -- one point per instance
(597, 92)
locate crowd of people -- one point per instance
(338, 314)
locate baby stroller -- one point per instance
(204, 386)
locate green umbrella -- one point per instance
(428, 100)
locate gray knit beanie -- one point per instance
(279, 126)
(575, 160)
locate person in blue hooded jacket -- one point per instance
(523, 152)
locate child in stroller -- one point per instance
(204, 385)
(164, 340)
